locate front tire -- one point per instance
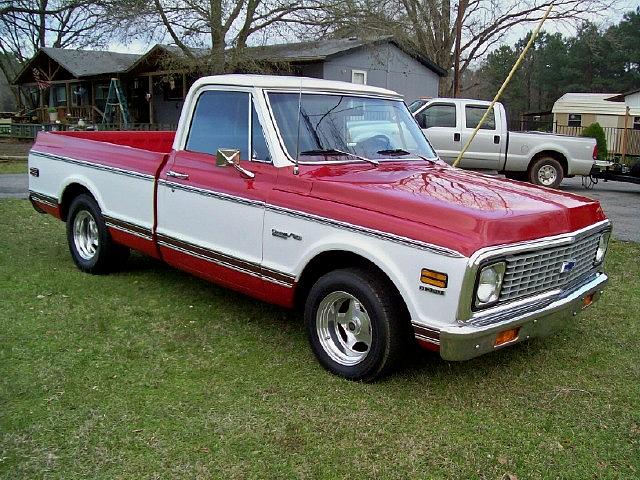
(92, 249)
(546, 172)
(355, 326)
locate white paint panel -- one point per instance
(125, 197)
(228, 227)
(402, 263)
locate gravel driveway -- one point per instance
(621, 201)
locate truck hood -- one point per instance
(450, 207)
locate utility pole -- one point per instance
(462, 7)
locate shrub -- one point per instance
(596, 131)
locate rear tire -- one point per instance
(92, 249)
(546, 172)
(355, 326)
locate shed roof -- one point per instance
(597, 103)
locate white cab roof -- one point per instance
(286, 82)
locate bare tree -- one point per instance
(212, 34)
(26, 25)
(431, 26)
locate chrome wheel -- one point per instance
(547, 175)
(344, 328)
(85, 235)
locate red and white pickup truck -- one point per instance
(327, 196)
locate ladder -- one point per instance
(115, 98)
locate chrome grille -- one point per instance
(531, 273)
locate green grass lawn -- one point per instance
(152, 373)
(13, 167)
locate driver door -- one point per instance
(210, 218)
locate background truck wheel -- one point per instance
(547, 172)
(90, 244)
(354, 324)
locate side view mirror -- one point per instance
(229, 156)
(422, 120)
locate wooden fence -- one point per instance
(615, 136)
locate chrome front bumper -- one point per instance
(465, 341)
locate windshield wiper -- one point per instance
(398, 152)
(335, 151)
(393, 152)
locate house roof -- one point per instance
(320, 50)
(293, 84)
(588, 103)
(89, 63)
(84, 63)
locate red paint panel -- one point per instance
(55, 211)
(160, 141)
(435, 203)
(428, 345)
(148, 247)
(125, 150)
(248, 284)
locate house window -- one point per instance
(172, 88)
(575, 120)
(636, 123)
(59, 96)
(79, 95)
(359, 77)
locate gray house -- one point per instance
(380, 62)
(76, 82)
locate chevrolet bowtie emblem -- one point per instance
(567, 266)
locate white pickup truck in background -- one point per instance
(540, 158)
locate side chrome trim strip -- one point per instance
(44, 199)
(211, 193)
(316, 218)
(426, 334)
(96, 166)
(128, 227)
(228, 261)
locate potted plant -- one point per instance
(53, 114)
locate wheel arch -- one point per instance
(555, 154)
(328, 260)
(71, 189)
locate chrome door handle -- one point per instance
(182, 176)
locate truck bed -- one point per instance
(160, 142)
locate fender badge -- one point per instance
(285, 235)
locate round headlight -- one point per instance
(603, 243)
(489, 283)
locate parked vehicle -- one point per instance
(327, 196)
(540, 158)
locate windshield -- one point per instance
(347, 127)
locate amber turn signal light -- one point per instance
(588, 300)
(436, 279)
(506, 336)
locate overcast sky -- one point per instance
(613, 17)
